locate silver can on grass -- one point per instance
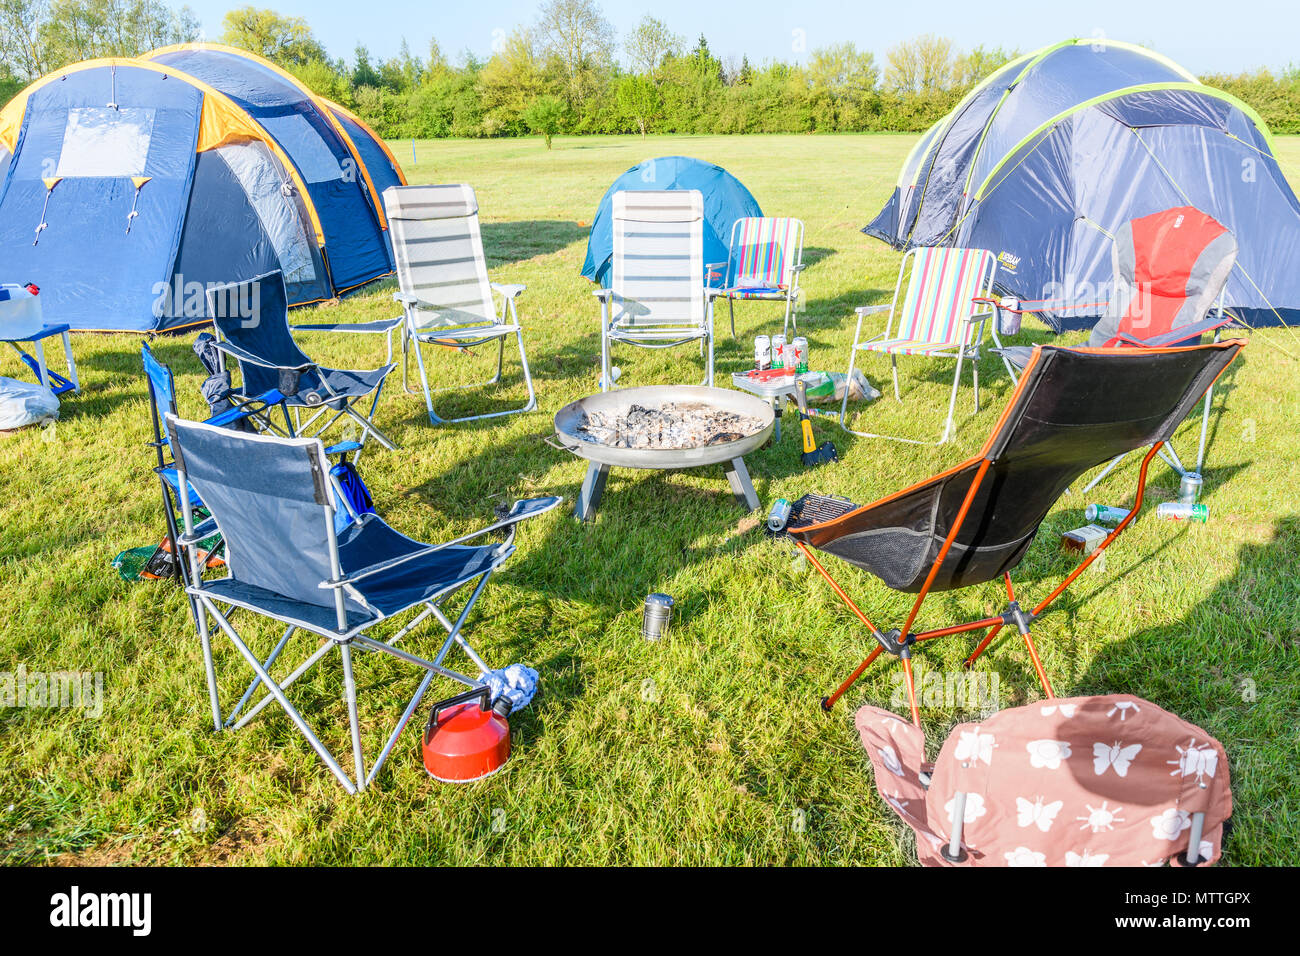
(656, 616)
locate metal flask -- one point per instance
(658, 612)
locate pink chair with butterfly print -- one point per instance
(1070, 781)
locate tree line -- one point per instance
(568, 73)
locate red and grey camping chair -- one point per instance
(942, 315)
(274, 501)
(1072, 410)
(252, 324)
(1112, 780)
(764, 261)
(1170, 271)
(658, 297)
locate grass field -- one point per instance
(706, 748)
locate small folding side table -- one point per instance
(21, 324)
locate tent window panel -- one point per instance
(262, 179)
(104, 142)
(301, 140)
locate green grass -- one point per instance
(705, 748)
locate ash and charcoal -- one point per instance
(671, 426)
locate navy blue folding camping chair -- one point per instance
(252, 325)
(162, 401)
(274, 501)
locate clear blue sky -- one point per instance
(1205, 36)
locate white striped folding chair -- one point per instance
(764, 260)
(943, 314)
(658, 297)
(445, 292)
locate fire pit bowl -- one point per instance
(639, 444)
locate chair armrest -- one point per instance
(406, 298)
(1169, 338)
(242, 355)
(520, 511)
(798, 267)
(605, 295)
(509, 290)
(246, 409)
(377, 326)
(872, 309)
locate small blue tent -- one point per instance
(129, 186)
(1045, 160)
(725, 200)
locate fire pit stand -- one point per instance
(593, 487)
(571, 419)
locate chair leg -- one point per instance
(283, 701)
(266, 665)
(401, 725)
(350, 692)
(368, 427)
(893, 362)
(952, 851)
(1102, 474)
(731, 308)
(406, 359)
(709, 335)
(952, 402)
(424, 383)
(528, 375)
(501, 355)
(1038, 664)
(604, 357)
(1205, 429)
(205, 639)
(975, 376)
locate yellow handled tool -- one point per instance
(812, 454)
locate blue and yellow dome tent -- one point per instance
(725, 200)
(127, 186)
(1047, 158)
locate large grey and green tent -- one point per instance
(1047, 159)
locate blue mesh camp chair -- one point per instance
(252, 325)
(274, 503)
(244, 413)
(162, 401)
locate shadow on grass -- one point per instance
(1230, 666)
(505, 243)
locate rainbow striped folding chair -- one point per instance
(943, 314)
(764, 259)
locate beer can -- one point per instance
(1189, 488)
(762, 353)
(778, 351)
(800, 349)
(779, 516)
(1105, 514)
(1179, 511)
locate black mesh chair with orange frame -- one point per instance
(1073, 409)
